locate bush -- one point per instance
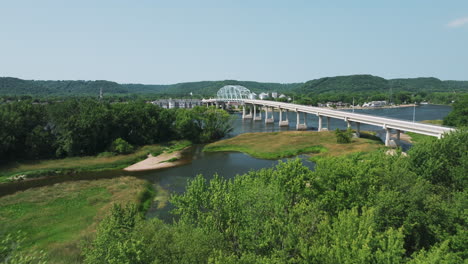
(343, 137)
(121, 146)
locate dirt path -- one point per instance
(158, 162)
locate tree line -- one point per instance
(87, 127)
(367, 84)
(363, 208)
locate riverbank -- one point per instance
(277, 145)
(167, 159)
(103, 162)
(378, 107)
(56, 218)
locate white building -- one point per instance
(253, 96)
(263, 96)
(274, 95)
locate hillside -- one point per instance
(364, 84)
(374, 84)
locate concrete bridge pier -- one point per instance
(358, 129)
(319, 123)
(244, 114)
(269, 120)
(387, 136)
(348, 123)
(255, 117)
(300, 126)
(398, 135)
(283, 123)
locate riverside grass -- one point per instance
(89, 163)
(277, 145)
(56, 218)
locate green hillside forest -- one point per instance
(339, 84)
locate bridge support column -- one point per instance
(398, 134)
(255, 117)
(319, 123)
(387, 137)
(283, 123)
(348, 123)
(269, 120)
(244, 115)
(300, 126)
(358, 129)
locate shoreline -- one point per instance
(162, 161)
(372, 108)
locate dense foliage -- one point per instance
(367, 208)
(87, 127)
(339, 88)
(459, 115)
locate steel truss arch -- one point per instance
(233, 93)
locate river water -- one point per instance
(228, 164)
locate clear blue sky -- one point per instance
(159, 42)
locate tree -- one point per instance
(343, 137)
(121, 146)
(459, 115)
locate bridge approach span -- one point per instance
(386, 123)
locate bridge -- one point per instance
(236, 94)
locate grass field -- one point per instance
(278, 145)
(89, 163)
(55, 218)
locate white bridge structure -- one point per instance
(236, 94)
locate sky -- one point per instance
(164, 42)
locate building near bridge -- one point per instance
(375, 104)
(263, 96)
(253, 96)
(177, 103)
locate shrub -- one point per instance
(121, 146)
(343, 137)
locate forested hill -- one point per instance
(339, 84)
(375, 84)
(15, 86)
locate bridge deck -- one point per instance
(389, 123)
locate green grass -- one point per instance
(103, 161)
(55, 218)
(418, 138)
(433, 122)
(177, 145)
(278, 145)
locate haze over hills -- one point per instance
(338, 84)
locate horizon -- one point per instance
(233, 80)
(264, 41)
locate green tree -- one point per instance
(121, 146)
(459, 115)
